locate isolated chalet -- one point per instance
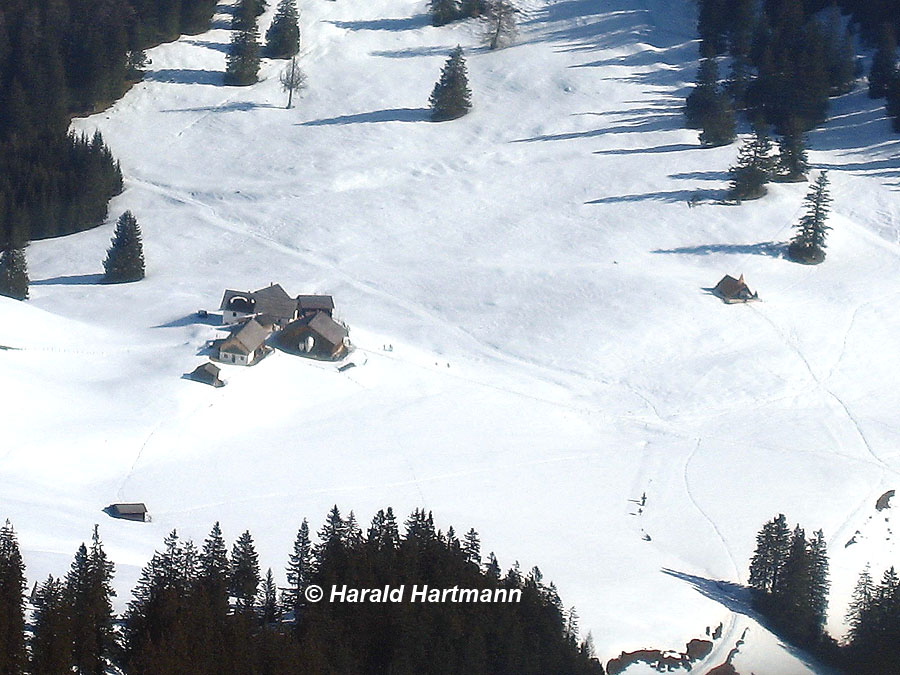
(271, 302)
(732, 290)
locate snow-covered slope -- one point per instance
(539, 276)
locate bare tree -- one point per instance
(292, 79)
(501, 23)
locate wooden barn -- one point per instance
(732, 290)
(245, 346)
(319, 336)
(271, 301)
(136, 511)
(208, 373)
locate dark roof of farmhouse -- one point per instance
(328, 328)
(317, 302)
(232, 294)
(275, 301)
(730, 287)
(248, 339)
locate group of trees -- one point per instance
(789, 576)
(124, 260)
(884, 77)
(59, 58)
(499, 17)
(282, 42)
(874, 618)
(208, 612)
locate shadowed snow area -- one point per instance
(539, 274)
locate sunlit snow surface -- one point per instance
(540, 277)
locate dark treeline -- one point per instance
(65, 57)
(789, 578)
(210, 611)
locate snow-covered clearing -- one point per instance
(540, 276)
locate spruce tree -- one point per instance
(14, 274)
(860, 602)
(89, 589)
(819, 583)
(451, 97)
(702, 99)
(472, 548)
(772, 543)
(884, 63)
(283, 36)
(808, 245)
(893, 100)
(269, 611)
(51, 640)
(793, 164)
(244, 571)
(840, 52)
(443, 11)
(242, 61)
(754, 168)
(125, 259)
(719, 125)
(12, 604)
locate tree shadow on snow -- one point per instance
(235, 106)
(187, 76)
(671, 196)
(663, 122)
(391, 115)
(406, 23)
(412, 52)
(71, 280)
(672, 147)
(772, 249)
(215, 46)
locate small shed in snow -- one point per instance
(134, 511)
(208, 373)
(732, 290)
(319, 336)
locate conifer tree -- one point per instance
(793, 164)
(283, 36)
(860, 603)
(125, 259)
(12, 604)
(702, 99)
(819, 583)
(808, 245)
(242, 61)
(383, 534)
(712, 24)
(472, 8)
(269, 611)
(501, 23)
(719, 125)
(51, 640)
(244, 571)
(14, 274)
(443, 11)
(754, 168)
(89, 589)
(893, 100)
(772, 544)
(840, 54)
(472, 547)
(451, 97)
(214, 572)
(299, 570)
(884, 63)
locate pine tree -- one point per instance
(443, 11)
(89, 589)
(808, 245)
(893, 100)
(841, 54)
(860, 603)
(772, 544)
(51, 640)
(14, 274)
(472, 547)
(793, 164)
(242, 61)
(269, 611)
(719, 125)
(712, 24)
(214, 572)
(793, 607)
(702, 99)
(451, 97)
(754, 168)
(299, 570)
(884, 63)
(125, 259)
(472, 8)
(501, 23)
(819, 583)
(283, 36)
(244, 571)
(12, 604)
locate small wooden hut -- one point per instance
(208, 373)
(732, 290)
(135, 511)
